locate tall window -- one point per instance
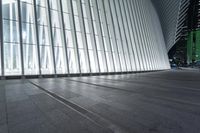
(123, 36)
(90, 40)
(80, 38)
(30, 54)
(45, 44)
(100, 49)
(12, 57)
(108, 39)
(71, 47)
(58, 42)
(118, 36)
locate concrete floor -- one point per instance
(159, 102)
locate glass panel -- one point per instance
(57, 39)
(43, 35)
(124, 36)
(54, 4)
(9, 9)
(98, 36)
(90, 41)
(30, 54)
(101, 61)
(11, 31)
(55, 19)
(46, 55)
(28, 1)
(60, 60)
(58, 43)
(30, 59)
(67, 21)
(42, 16)
(73, 66)
(28, 33)
(84, 68)
(121, 38)
(92, 61)
(80, 37)
(80, 40)
(41, 3)
(71, 51)
(69, 38)
(27, 12)
(46, 60)
(65, 6)
(12, 57)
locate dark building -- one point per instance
(187, 43)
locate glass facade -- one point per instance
(47, 37)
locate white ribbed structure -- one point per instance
(48, 37)
(168, 11)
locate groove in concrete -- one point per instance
(98, 120)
